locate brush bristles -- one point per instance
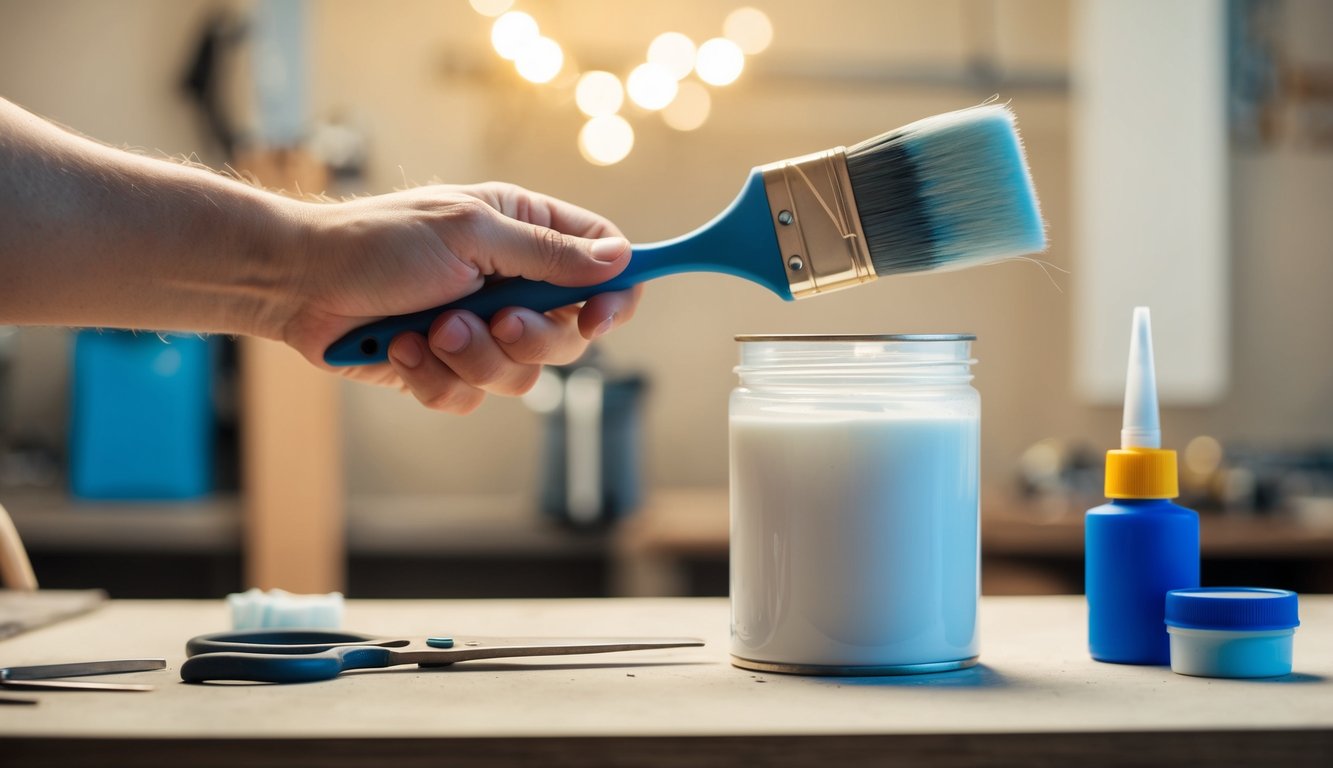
(949, 191)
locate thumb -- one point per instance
(514, 248)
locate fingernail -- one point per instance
(452, 336)
(609, 248)
(508, 330)
(604, 327)
(406, 351)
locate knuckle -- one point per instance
(499, 190)
(537, 349)
(461, 272)
(469, 211)
(483, 372)
(554, 250)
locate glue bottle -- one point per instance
(1140, 545)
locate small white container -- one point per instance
(1231, 631)
(854, 505)
(279, 609)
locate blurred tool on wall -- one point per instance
(592, 445)
(285, 146)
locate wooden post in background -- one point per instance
(291, 471)
(291, 441)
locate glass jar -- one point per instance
(855, 504)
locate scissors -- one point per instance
(38, 678)
(305, 655)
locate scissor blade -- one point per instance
(468, 648)
(79, 669)
(72, 685)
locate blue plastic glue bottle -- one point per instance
(1140, 545)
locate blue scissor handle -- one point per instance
(284, 667)
(282, 641)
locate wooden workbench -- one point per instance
(1036, 699)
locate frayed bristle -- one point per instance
(944, 192)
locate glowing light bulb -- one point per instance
(690, 108)
(748, 28)
(599, 93)
(651, 86)
(719, 62)
(512, 33)
(491, 7)
(606, 140)
(673, 51)
(540, 60)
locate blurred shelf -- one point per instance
(694, 522)
(1016, 527)
(494, 526)
(681, 522)
(498, 525)
(1027, 547)
(51, 521)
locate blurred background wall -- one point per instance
(418, 78)
(421, 80)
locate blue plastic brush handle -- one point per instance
(741, 241)
(284, 668)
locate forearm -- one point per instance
(95, 236)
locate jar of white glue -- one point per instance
(854, 505)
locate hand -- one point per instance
(397, 253)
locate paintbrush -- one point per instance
(945, 192)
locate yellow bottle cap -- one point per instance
(1141, 473)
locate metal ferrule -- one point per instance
(818, 227)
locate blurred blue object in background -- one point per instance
(141, 421)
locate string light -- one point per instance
(719, 61)
(599, 93)
(749, 29)
(491, 7)
(690, 108)
(662, 83)
(513, 32)
(674, 52)
(606, 140)
(540, 60)
(651, 86)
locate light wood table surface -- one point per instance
(1037, 699)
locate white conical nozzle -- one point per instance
(1141, 428)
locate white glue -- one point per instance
(854, 513)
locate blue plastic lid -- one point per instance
(1231, 608)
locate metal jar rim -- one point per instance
(854, 337)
